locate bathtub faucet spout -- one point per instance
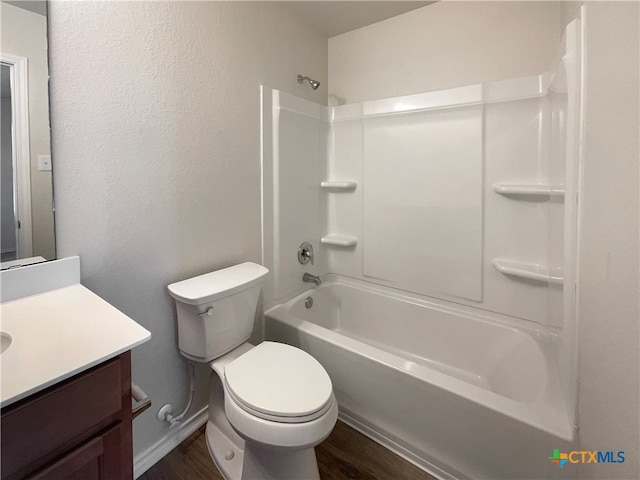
(308, 278)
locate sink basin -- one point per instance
(5, 341)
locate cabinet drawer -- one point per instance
(84, 462)
(96, 459)
(54, 419)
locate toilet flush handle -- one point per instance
(207, 313)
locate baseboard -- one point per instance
(174, 437)
(389, 444)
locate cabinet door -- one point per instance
(96, 459)
(45, 427)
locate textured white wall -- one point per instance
(24, 33)
(443, 45)
(156, 143)
(569, 10)
(608, 271)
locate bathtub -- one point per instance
(459, 393)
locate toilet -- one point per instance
(269, 404)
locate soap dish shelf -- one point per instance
(339, 185)
(337, 240)
(532, 189)
(530, 271)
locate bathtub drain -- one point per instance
(308, 302)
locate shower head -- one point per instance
(314, 83)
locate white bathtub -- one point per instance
(457, 393)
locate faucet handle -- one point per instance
(305, 253)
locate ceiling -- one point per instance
(335, 17)
(328, 17)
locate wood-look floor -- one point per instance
(345, 454)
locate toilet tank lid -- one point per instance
(221, 283)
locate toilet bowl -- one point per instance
(269, 404)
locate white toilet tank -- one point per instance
(215, 311)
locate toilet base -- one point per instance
(228, 454)
(275, 465)
(237, 459)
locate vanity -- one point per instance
(66, 377)
(65, 361)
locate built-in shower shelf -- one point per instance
(534, 189)
(339, 240)
(339, 185)
(530, 271)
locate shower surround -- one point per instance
(444, 226)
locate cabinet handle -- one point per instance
(142, 399)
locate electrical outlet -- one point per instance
(44, 163)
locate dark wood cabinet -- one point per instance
(79, 429)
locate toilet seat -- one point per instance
(279, 383)
(270, 434)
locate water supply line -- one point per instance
(165, 414)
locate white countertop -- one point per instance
(58, 334)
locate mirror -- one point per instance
(26, 192)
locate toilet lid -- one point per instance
(278, 381)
